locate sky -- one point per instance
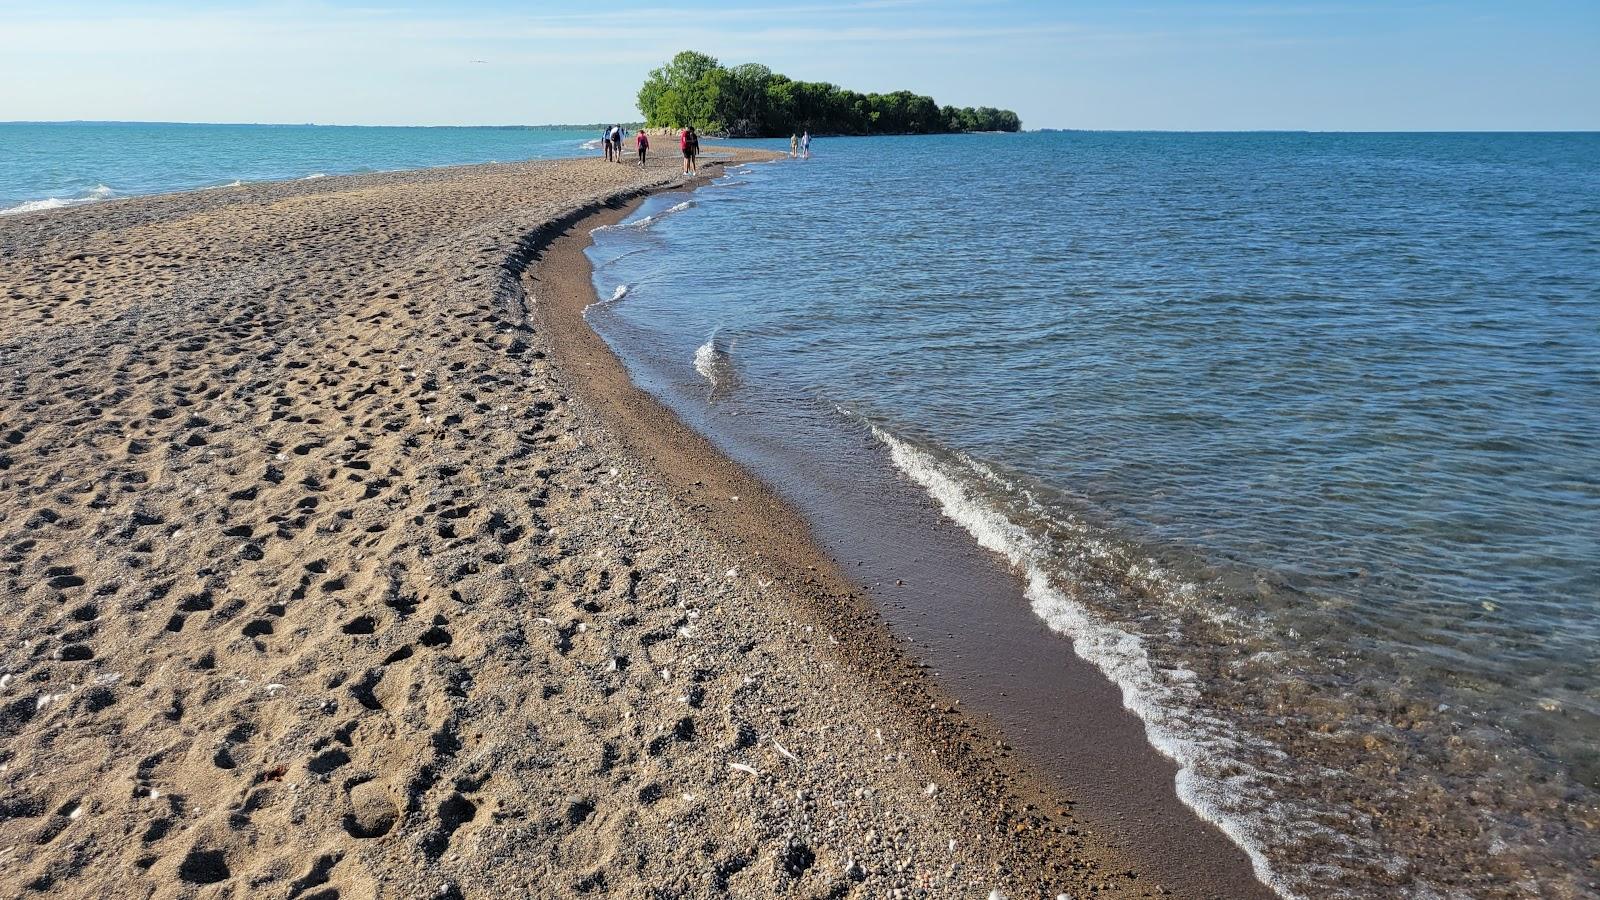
(1139, 64)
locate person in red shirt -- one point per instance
(644, 145)
(689, 143)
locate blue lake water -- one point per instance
(53, 164)
(1296, 436)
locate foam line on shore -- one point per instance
(1157, 699)
(93, 195)
(646, 221)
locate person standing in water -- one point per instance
(794, 145)
(805, 144)
(644, 145)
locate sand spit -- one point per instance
(316, 585)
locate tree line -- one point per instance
(751, 100)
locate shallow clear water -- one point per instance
(52, 164)
(1296, 436)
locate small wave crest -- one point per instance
(705, 361)
(95, 194)
(619, 293)
(1212, 780)
(635, 225)
(314, 176)
(714, 361)
(646, 221)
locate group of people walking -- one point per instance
(688, 143)
(612, 140)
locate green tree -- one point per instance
(742, 99)
(682, 92)
(751, 100)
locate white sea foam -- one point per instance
(705, 360)
(593, 144)
(714, 361)
(1211, 780)
(645, 222)
(36, 205)
(314, 176)
(95, 194)
(640, 224)
(619, 293)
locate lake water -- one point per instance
(53, 164)
(1295, 436)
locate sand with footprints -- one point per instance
(317, 580)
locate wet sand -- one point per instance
(319, 583)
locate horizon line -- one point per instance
(587, 125)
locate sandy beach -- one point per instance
(322, 581)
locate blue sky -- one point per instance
(1152, 64)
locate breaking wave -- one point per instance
(93, 195)
(644, 222)
(1215, 778)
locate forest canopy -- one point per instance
(751, 100)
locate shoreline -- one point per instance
(315, 580)
(881, 650)
(744, 512)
